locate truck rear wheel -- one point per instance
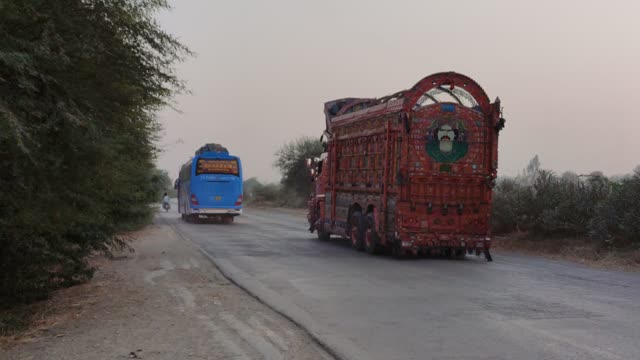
(358, 228)
(323, 235)
(371, 238)
(397, 251)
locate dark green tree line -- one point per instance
(80, 81)
(606, 210)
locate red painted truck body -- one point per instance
(412, 172)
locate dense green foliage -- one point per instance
(271, 194)
(256, 192)
(594, 206)
(80, 81)
(291, 160)
(161, 183)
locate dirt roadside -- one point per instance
(165, 301)
(580, 251)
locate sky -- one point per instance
(567, 73)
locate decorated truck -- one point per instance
(412, 172)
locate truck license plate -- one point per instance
(218, 198)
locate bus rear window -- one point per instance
(215, 166)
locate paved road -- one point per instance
(367, 307)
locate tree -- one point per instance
(80, 81)
(291, 160)
(534, 166)
(249, 187)
(160, 183)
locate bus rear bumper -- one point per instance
(234, 212)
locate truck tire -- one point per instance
(397, 251)
(371, 238)
(358, 228)
(228, 219)
(323, 235)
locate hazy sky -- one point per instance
(564, 70)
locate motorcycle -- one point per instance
(166, 206)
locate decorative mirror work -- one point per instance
(447, 140)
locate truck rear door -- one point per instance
(448, 161)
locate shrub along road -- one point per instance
(367, 307)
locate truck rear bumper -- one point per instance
(416, 241)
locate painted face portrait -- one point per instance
(446, 142)
(446, 136)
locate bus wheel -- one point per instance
(358, 226)
(371, 238)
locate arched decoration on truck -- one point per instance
(421, 160)
(462, 88)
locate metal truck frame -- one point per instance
(411, 172)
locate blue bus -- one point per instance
(210, 185)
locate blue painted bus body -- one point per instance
(210, 185)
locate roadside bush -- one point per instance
(617, 218)
(248, 187)
(541, 203)
(291, 198)
(80, 81)
(511, 201)
(267, 193)
(271, 194)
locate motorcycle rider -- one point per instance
(165, 200)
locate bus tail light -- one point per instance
(194, 200)
(239, 201)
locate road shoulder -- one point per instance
(164, 301)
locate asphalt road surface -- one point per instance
(377, 307)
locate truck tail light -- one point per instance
(194, 200)
(239, 201)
